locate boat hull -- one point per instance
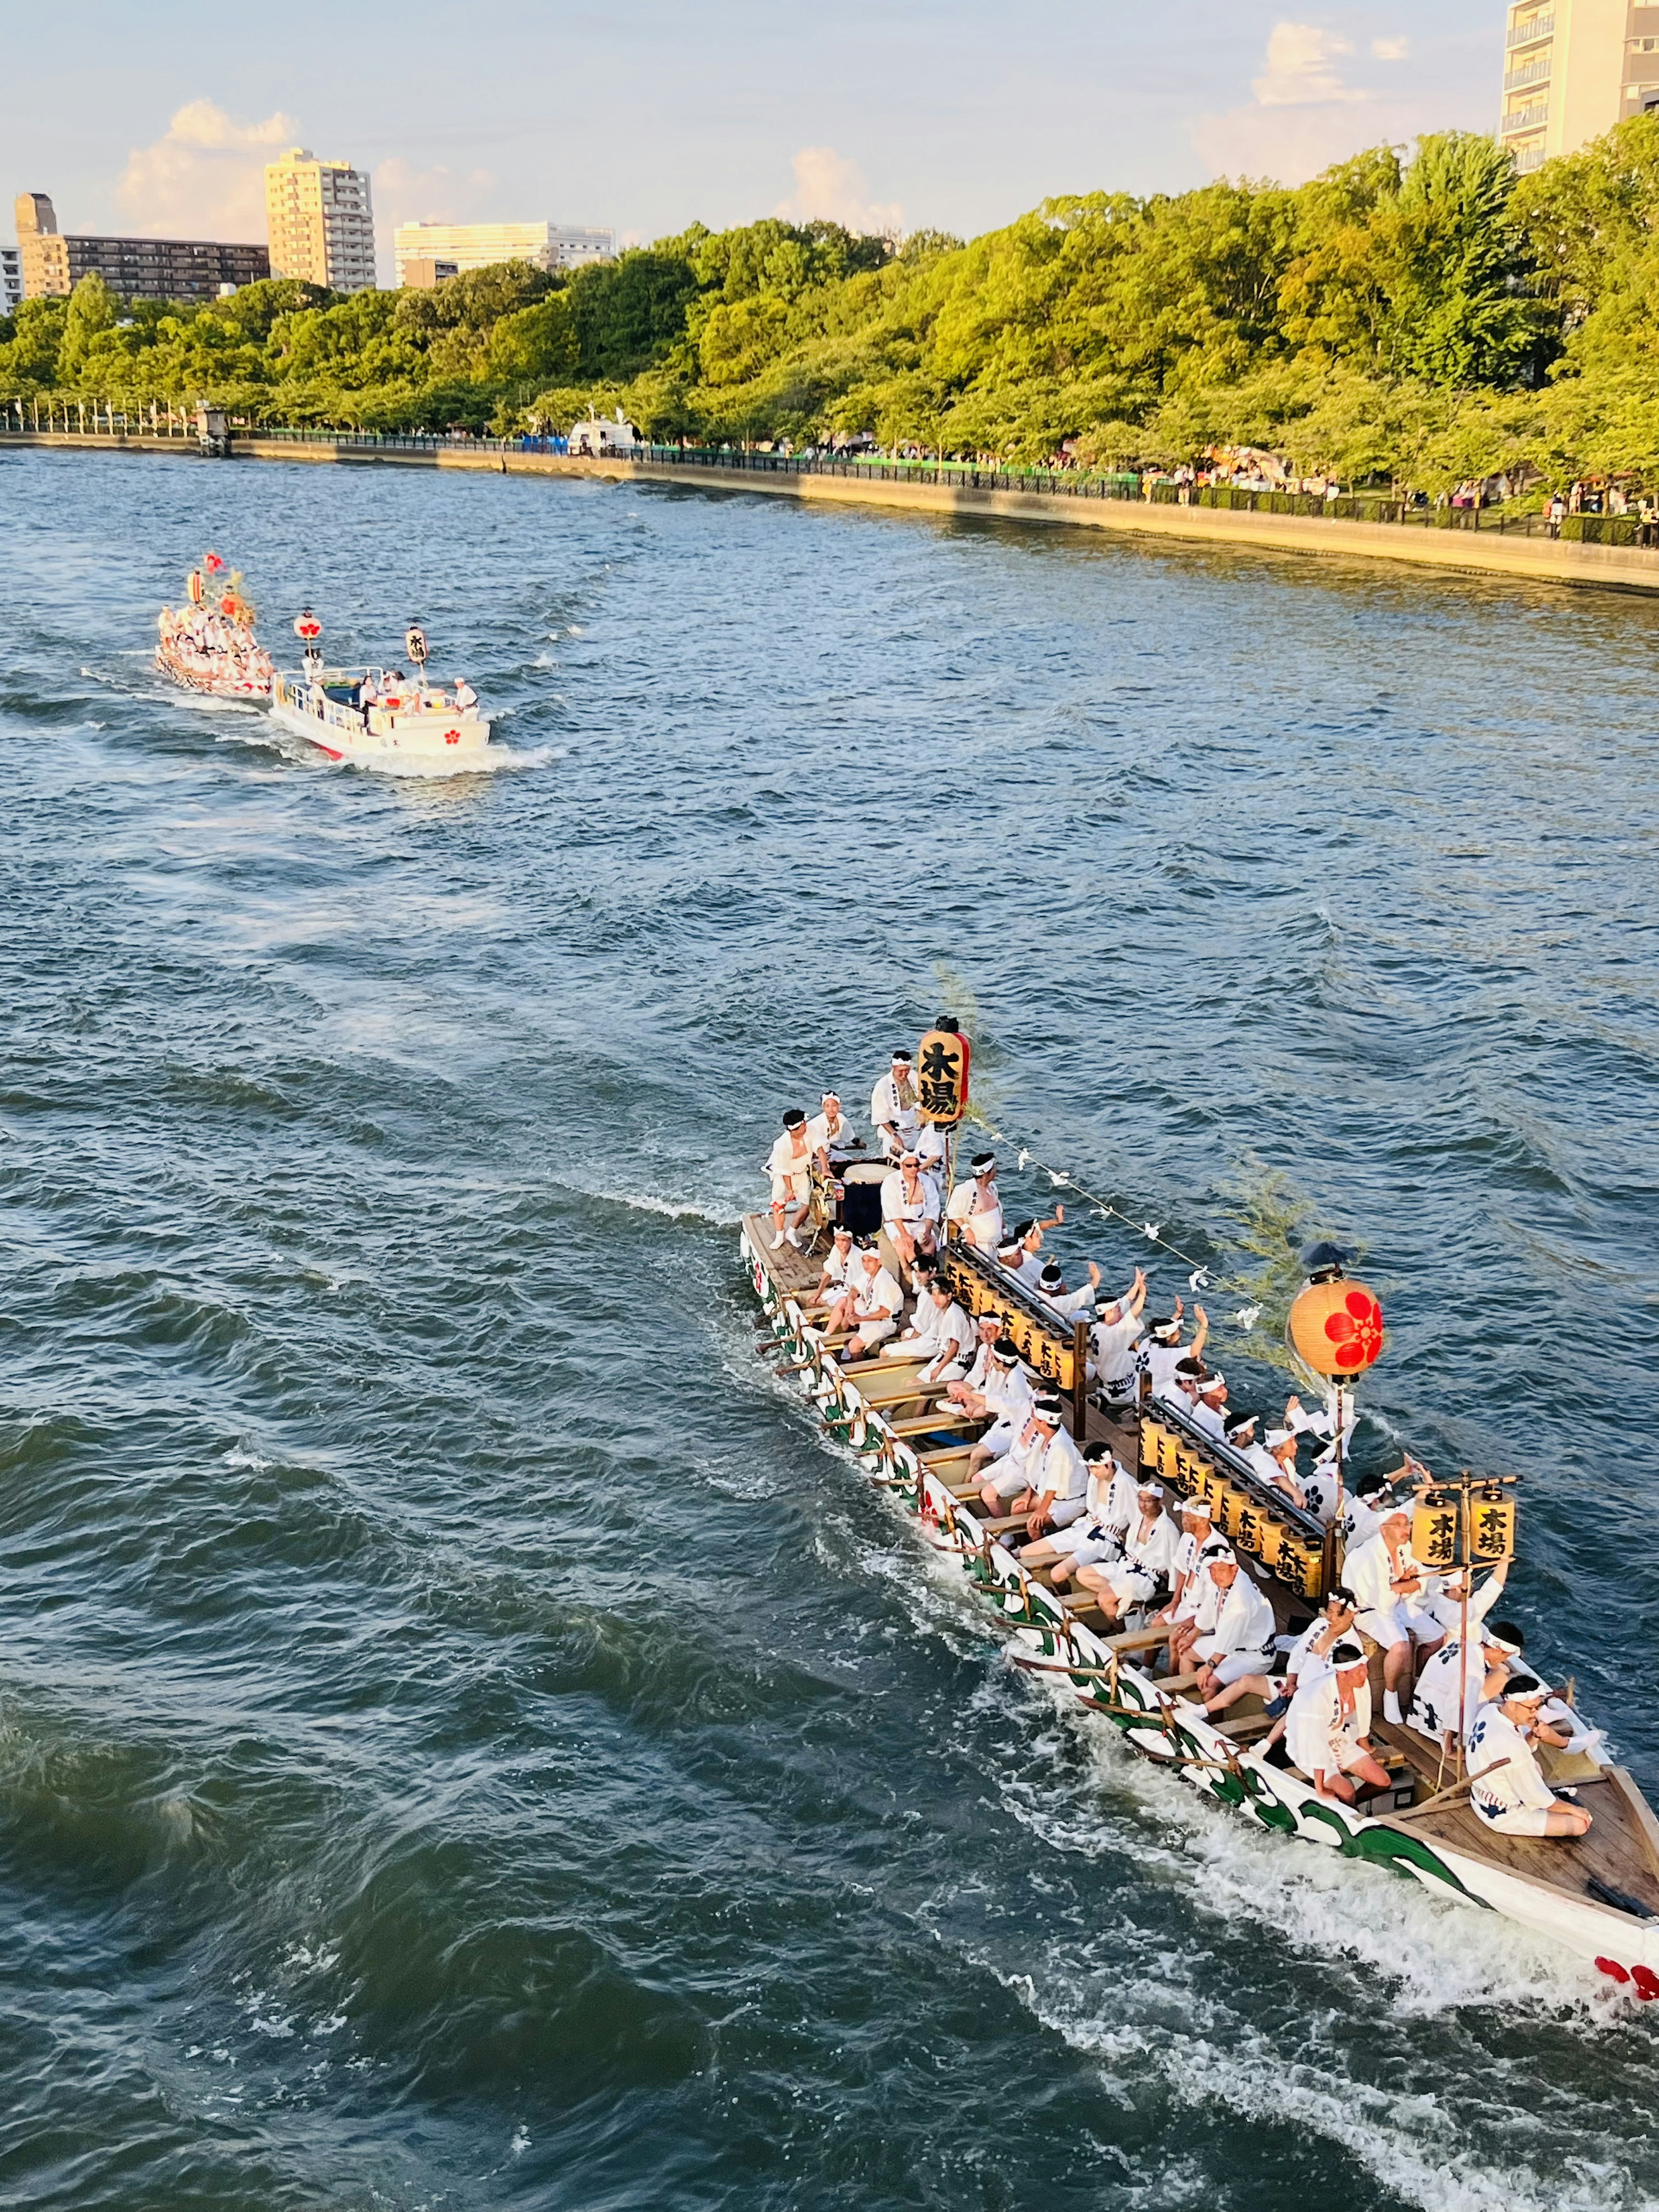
(447, 745)
(1173, 1733)
(252, 688)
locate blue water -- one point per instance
(465, 1739)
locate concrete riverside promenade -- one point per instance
(1534, 559)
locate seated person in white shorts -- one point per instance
(1391, 1587)
(1509, 1794)
(966, 1392)
(1006, 1393)
(1019, 1467)
(1328, 1732)
(837, 1267)
(1242, 1641)
(789, 1163)
(1109, 1505)
(871, 1307)
(1055, 1495)
(909, 1209)
(1199, 1606)
(1149, 1550)
(941, 1336)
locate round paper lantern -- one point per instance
(1336, 1327)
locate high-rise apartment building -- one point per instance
(319, 221)
(1571, 69)
(11, 278)
(482, 245)
(51, 265)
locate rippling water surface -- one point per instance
(463, 1739)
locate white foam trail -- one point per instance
(672, 1209)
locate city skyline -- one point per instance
(915, 116)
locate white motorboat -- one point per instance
(380, 719)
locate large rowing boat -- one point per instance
(1598, 1893)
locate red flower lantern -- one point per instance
(1336, 1327)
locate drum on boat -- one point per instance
(861, 1206)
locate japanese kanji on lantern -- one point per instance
(942, 1075)
(1469, 1523)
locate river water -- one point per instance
(465, 1739)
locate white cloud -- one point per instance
(1301, 70)
(829, 188)
(205, 176)
(404, 193)
(1392, 49)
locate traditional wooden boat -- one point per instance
(208, 644)
(1598, 1895)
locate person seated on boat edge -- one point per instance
(974, 1208)
(986, 1370)
(1308, 1658)
(1508, 1792)
(940, 1335)
(1245, 1632)
(789, 1163)
(1109, 1506)
(1051, 1289)
(837, 1267)
(1020, 1461)
(1201, 1606)
(1113, 1367)
(870, 1307)
(909, 1209)
(1149, 1549)
(1057, 1477)
(894, 1114)
(1328, 1728)
(1493, 1652)
(1274, 1460)
(1391, 1587)
(1196, 1521)
(1005, 1398)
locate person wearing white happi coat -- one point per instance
(1051, 1289)
(1242, 1641)
(789, 1163)
(1114, 1367)
(1443, 1703)
(894, 1111)
(1006, 1393)
(1057, 1492)
(1309, 1658)
(930, 1151)
(966, 1390)
(1507, 1790)
(1389, 1585)
(1196, 1523)
(1274, 1461)
(1024, 1266)
(1444, 1599)
(1200, 1604)
(909, 1209)
(1108, 1502)
(1327, 1730)
(940, 1336)
(1164, 1352)
(1018, 1466)
(1210, 1407)
(975, 1210)
(1149, 1549)
(1364, 1504)
(837, 1266)
(829, 1129)
(871, 1307)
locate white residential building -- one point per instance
(1571, 69)
(319, 221)
(482, 245)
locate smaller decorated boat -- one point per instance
(381, 717)
(209, 645)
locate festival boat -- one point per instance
(208, 645)
(1597, 1893)
(379, 717)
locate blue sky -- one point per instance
(644, 115)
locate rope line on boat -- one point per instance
(1200, 1277)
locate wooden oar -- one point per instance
(1444, 1796)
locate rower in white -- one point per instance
(1328, 1733)
(1242, 1641)
(909, 1209)
(968, 1391)
(941, 1336)
(974, 1208)
(1508, 1791)
(895, 1113)
(1309, 1658)
(837, 1267)
(875, 1305)
(1057, 1478)
(1149, 1549)
(790, 1165)
(1108, 1505)
(1389, 1584)
(1005, 1396)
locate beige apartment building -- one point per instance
(483, 245)
(319, 221)
(1571, 69)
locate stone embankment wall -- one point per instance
(1539, 559)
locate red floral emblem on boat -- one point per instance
(1356, 1330)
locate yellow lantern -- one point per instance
(1336, 1327)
